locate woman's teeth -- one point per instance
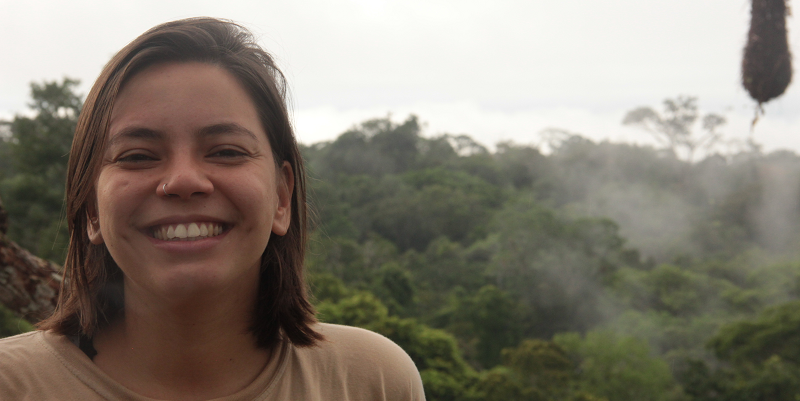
(187, 232)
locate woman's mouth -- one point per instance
(187, 232)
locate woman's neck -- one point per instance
(193, 349)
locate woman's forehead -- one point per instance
(197, 96)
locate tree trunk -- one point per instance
(28, 285)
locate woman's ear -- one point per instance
(285, 188)
(93, 226)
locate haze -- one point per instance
(499, 70)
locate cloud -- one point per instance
(775, 130)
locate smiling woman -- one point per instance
(187, 218)
(186, 149)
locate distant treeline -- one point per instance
(596, 271)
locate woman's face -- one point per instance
(193, 128)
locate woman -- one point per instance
(187, 216)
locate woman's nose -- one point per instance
(185, 178)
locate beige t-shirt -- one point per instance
(352, 364)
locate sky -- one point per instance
(500, 70)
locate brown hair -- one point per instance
(91, 293)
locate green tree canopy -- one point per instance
(33, 186)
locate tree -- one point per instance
(544, 365)
(489, 320)
(536, 370)
(33, 159)
(618, 367)
(38, 146)
(555, 265)
(674, 127)
(435, 353)
(5, 149)
(374, 147)
(762, 355)
(776, 331)
(42, 143)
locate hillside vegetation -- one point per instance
(596, 271)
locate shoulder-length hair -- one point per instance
(91, 292)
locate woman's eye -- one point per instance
(228, 153)
(135, 157)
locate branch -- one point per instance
(28, 285)
(651, 122)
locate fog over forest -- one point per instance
(573, 270)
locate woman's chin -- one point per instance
(196, 284)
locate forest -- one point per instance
(574, 270)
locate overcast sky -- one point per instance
(496, 70)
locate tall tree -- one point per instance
(674, 127)
(33, 184)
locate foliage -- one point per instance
(489, 319)
(543, 366)
(32, 187)
(590, 271)
(11, 325)
(445, 375)
(776, 331)
(536, 370)
(567, 261)
(618, 367)
(673, 127)
(540, 258)
(763, 356)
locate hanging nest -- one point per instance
(767, 63)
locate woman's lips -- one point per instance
(187, 231)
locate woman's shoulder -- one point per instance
(20, 348)
(26, 361)
(354, 344)
(43, 365)
(366, 359)
(34, 351)
(362, 340)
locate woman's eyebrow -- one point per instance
(136, 133)
(154, 135)
(226, 129)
